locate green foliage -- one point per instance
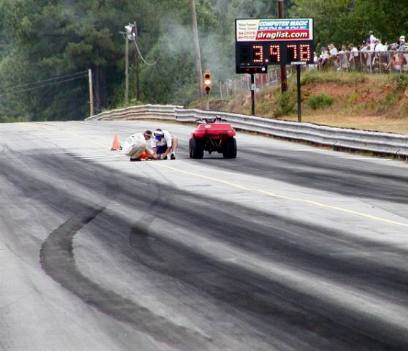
(349, 21)
(346, 78)
(400, 81)
(60, 38)
(7, 119)
(320, 101)
(285, 105)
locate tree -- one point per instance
(54, 38)
(349, 21)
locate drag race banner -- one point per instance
(259, 30)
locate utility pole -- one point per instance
(91, 101)
(126, 70)
(137, 77)
(284, 80)
(137, 61)
(199, 70)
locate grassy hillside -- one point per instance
(354, 100)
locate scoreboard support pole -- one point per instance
(253, 94)
(299, 93)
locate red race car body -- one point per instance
(213, 136)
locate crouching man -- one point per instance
(164, 145)
(138, 147)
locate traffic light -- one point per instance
(207, 82)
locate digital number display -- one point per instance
(263, 42)
(263, 54)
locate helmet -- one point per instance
(158, 134)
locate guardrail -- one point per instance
(339, 138)
(139, 112)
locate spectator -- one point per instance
(366, 57)
(371, 38)
(381, 58)
(323, 58)
(397, 62)
(364, 47)
(315, 58)
(402, 46)
(394, 47)
(164, 144)
(354, 57)
(333, 51)
(342, 58)
(379, 47)
(333, 55)
(353, 51)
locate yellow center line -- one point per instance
(271, 194)
(268, 193)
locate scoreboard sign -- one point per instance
(263, 42)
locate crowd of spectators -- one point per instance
(372, 55)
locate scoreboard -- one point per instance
(263, 42)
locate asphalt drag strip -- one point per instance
(186, 255)
(230, 284)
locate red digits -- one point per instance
(258, 54)
(294, 53)
(305, 53)
(274, 52)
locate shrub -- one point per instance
(284, 105)
(401, 81)
(320, 101)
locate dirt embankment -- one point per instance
(352, 100)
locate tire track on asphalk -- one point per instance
(139, 236)
(58, 261)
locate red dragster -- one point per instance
(213, 135)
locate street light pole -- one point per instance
(199, 69)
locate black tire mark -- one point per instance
(57, 260)
(251, 293)
(219, 294)
(140, 233)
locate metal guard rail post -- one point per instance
(376, 142)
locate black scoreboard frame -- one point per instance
(255, 56)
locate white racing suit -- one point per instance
(134, 145)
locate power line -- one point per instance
(40, 86)
(77, 74)
(141, 56)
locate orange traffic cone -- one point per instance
(116, 144)
(144, 156)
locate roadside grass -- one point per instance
(318, 77)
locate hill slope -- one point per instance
(353, 100)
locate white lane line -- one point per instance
(289, 198)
